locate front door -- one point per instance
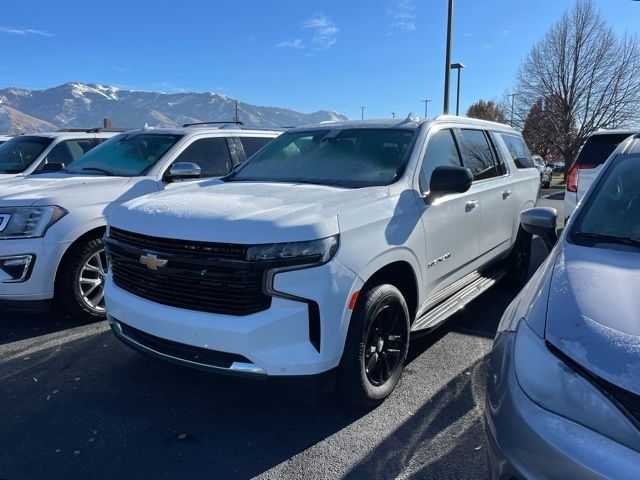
(451, 223)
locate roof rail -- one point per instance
(236, 122)
(284, 129)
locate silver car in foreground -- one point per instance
(563, 394)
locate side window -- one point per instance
(519, 151)
(68, 151)
(211, 154)
(478, 155)
(252, 144)
(441, 150)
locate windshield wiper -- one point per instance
(607, 238)
(96, 169)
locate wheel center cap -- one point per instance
(380, 345)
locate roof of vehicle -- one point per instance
(205, 129)
(70, 134)
(411, 122)
(616, 132)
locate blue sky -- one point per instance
(336, 54)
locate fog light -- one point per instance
(15, 269)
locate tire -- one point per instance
(546, 185)
(86, 259)
(378, 337)
(518, 262)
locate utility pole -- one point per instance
(513, 100)
(426, 107)
(237, 119)
(362, 112)
(447, 65)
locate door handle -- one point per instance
(506, 194)
(471, 204)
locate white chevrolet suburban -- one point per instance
(27, 154)
(52, 224)
(319, 258)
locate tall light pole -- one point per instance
(447, 65)
(393, 114)
(362, 112)
(459, 67)
(426, 107)
(513, 100)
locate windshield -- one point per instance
(611, 215)
(350, 158)
(18, 153)
(598, 148)
(125, 155)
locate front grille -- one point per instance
(201, 276)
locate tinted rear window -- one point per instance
(519, 151)
(600, 147)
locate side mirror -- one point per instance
(541, 221)
(184, 171)
(52, 167)
(447, 179)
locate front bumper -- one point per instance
(40, 283)
(274, 342)
(527, 441)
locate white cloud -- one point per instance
(324, 31)
(295, 43)
(24, 31)
(403, 15)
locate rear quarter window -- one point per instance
(518, 150)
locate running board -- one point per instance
(451, 305)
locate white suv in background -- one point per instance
(319, 257)
(52, 224)
(595, 152)
(26, 154)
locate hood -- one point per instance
(242, 212)
(593, 313)
(5, 176)
(66, 190)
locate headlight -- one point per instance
(311, 252)
(28, 222)
(556, 387)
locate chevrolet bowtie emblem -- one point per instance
(152, 262)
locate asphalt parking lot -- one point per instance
(77, 404)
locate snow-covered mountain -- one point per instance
(85, 105)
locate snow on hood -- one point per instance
(593, 314)
(242, 212)
(66, 190)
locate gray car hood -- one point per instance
(593, 313)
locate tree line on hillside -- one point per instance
(579, 78)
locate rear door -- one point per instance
(491, 187)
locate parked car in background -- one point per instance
(317, 259)
(558, 167)
(584, 170)
(563, 394)
(27, 154)
(4, 138)
(545, 171)
(51, 225)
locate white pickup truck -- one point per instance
(318, 258)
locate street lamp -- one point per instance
(426, 107)
(459, 67)
(447, 64)
(362, 112)
(393, 114)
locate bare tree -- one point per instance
(585, 74)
